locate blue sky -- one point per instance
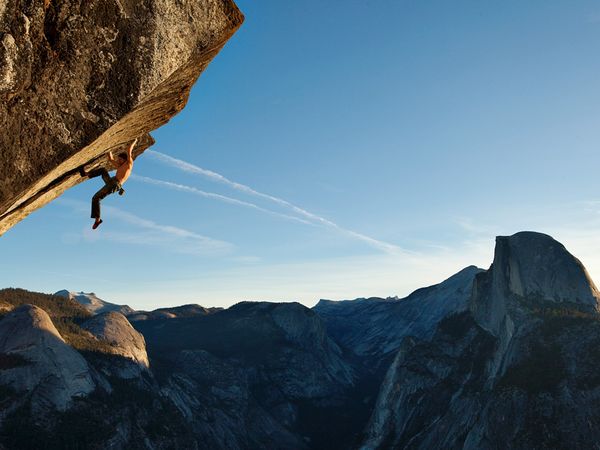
(369, 148)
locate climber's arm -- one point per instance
(130, 151)
(112, 160)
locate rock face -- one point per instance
(94, 304)
(80, 79)
(530, 265)
(517, 370)
(252, 376)
(537, 265)
(40, 363)
(114, 328)
(375, 326)
(415, 407)
(51, 397)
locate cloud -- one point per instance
(314, 218)
(215, 196)
(151, 233)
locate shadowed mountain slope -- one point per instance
(375, 326)
(517, 370)
(500, 358)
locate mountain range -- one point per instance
(506, 357)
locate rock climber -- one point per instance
(123, 164)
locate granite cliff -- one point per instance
(517, 369)
(78, 79)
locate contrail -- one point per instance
(172, 237)
(213, 195)
(191, 168)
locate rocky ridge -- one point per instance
(500, 358)
(93, 304)
(376, 326)
(247, 376)
(171, 313)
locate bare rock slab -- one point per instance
(45, 366)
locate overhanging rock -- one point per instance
(78, 79)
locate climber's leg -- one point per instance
(110, 187)
(99, 172)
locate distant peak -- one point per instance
(63, 293)
(467, 272)
(529, 235)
